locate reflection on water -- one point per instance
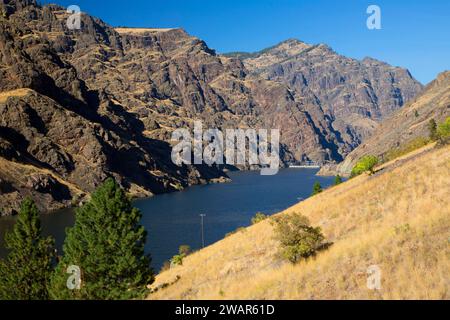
(174, 219)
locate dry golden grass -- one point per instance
(14, 93)
(398, 219)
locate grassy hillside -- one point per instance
(398, 219)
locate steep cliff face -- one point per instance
(353, 95)
(406, 124)
(169, 79)
(60, 138)
(80, 105)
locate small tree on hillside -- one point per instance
(183, 252)
(443, 131)
(366, 163)
(25, 274)
(297, 238)
(337, 180)
(432, 129)
(317, 188)
(259, 216)
(107, 245)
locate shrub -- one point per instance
(337, 180)
(432, 129)
(404, 228)
(183, 252)
(317, 188)
(259, 217)
(366, 163)
(298, 240)
(443, 130)
(177, 260)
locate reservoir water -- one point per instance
(174, 219)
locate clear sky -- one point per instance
(415, 34)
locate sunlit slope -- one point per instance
(398, 219)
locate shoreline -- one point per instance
(141, 196)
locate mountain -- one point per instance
(353, 96)
(80, 105)
(406, 124)
(60, 138)
(395, 220)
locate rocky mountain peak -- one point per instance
(442, 79)
(353, 95)
(324, 48)
(288, 48)
(372, 62)
(286, 45)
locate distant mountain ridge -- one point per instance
(354, 95)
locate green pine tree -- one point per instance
(337, 180)
(317, 188)
(25, 273)
(107, 245)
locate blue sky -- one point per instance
(415, 34)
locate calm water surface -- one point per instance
(174, 219)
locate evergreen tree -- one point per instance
(25, 273)
(107, 245)
(337, 180)
(317, 188)
(432, 129)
